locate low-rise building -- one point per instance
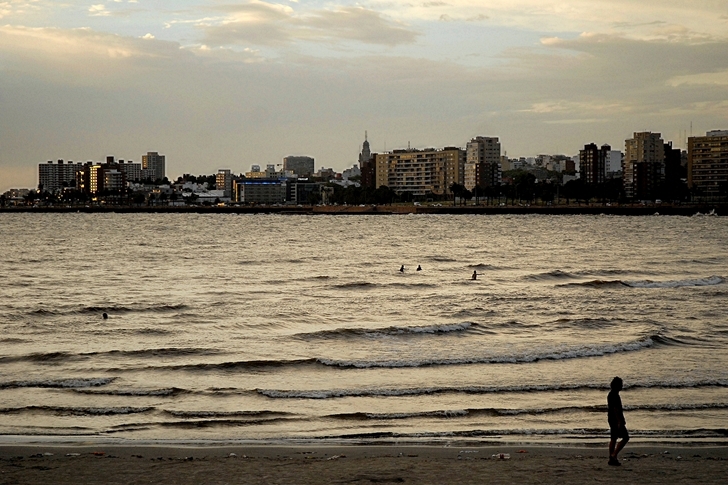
(259, 191)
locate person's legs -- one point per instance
(620, 445)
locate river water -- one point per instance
(282, 327)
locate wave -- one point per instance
(557, 354)
(475, 412)
(169, 391)
(110, 309)
(367, 332)
(425, 391)
(411, 285)
(197, 423)
(69, 356)
(573, 353)
(59, 383)
(483, 266)
(79, 411)
(240, 364)
(226, 414)
(599, 284)
(355, 285)
(710, 281)
(551, 275)
(497, 434)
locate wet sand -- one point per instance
(363, 464)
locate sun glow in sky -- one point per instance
(227, 84)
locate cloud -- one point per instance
(98, 10)
(636, 19)
(262, 23)
(83, 94)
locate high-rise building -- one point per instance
(96, 178)
(592, 163)
(300, 165)
(613, 164)
(482, 163)
(224, 181)
(154, 164)
(53, 177)
(708, 162)
(132, 171)
(643, 169)
(420, 172)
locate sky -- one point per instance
(227, 84)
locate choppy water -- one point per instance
(296, 327)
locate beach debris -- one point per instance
(468, 451)
(502, 456)
(98, 453)
(665, 452)
(521, 451)
(336, 457)
(232, 455)
(47, 454)
(73, 454)
(678, 457)
(137, 456)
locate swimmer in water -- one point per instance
(419, 268)
(475, 275)
(401, 269)
(105, 316)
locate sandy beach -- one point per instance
(112, 464)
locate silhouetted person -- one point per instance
(105, 316)
(401, 269)
(617, 424)
(419, 268)
(475, 275)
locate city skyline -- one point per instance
(231, 85)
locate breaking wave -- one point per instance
(573, 353)
(474, 412)
(425, 391)
(367, 332)
(710, 281)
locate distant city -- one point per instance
(648, 170)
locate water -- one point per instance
(263, 327)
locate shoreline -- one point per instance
(358, 464)
(405, 209)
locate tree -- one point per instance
(457, 191)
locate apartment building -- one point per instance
(420, 172)
(708, 162)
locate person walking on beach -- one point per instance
(617, 424)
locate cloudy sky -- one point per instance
(227, 84)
